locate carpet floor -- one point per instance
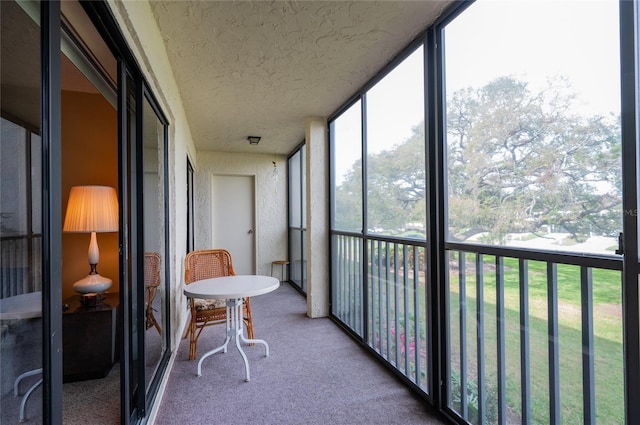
(315, 374)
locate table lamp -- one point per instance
(92, 209)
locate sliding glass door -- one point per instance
(297, 220)
(74, 112)
(21, 215)
(155, 212)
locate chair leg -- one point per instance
(248, 319)
(150, 318)
(191, 330)
(193, 341)
(188, 331)
(156, 324)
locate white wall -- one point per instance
(271, 201)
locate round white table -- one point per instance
(233, 289)
(18, 307)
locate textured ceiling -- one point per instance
(261, 67)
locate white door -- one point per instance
(233, 206)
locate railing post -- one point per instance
(480, 336)
(462, 300)
(525, 376)
(502, 356)
(554, 352)
(588, 374)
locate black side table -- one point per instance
(90, 338)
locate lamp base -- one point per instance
(92, 283)
(91, 299)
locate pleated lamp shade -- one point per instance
(92, 209)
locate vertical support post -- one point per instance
(317, 216)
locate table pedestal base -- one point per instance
(235, 330)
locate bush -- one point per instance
(490, 405)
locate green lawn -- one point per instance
(607, 338)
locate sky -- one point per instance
(532, 40)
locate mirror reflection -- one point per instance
(154, 229)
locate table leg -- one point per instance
(223, 346)
(235, 329)
(25, 397)
(16, 384)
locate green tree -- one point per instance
(518, 161)
(396, 184)
(348, 200)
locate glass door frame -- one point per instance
(51, 118)
(145, 94)
(630, 84)
(131, 404)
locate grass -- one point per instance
(607, 338)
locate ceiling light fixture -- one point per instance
(254, 140)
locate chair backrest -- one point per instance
(205, 264)
(151, 269)
(151, 275)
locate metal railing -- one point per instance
(524, 344)
(532, 336)
(392, 303)
(20, 265)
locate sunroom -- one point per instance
(452, 184)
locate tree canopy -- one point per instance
(517, 161)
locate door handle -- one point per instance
(250, 231)
(620, 250)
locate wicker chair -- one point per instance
(204, 264)
(151, 284)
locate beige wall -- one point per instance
(317, 192)
(271, 201)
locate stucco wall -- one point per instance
(271, 201)
(139, 28)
